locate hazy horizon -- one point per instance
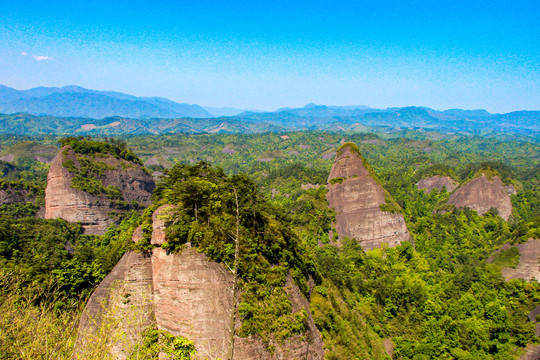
(264, 56)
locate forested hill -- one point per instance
(522, 123)
(454, 120)
(76, 110)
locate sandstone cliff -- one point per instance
(483, 193)
(528, 267)
(185, 294)
(119, 310)
(357, 199)
(437, 182)
(92, 210)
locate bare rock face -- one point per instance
(482, 194)
(188, 295)
(437, 182)
(193, 298)
(121, 308)
(159, 224)
(356, 197)
(73, 205)
(528, 267)
(532, 352)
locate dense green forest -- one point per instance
(437, 297)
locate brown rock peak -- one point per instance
(356, 196)
(483, 193)
(185, 294)
(92, 211)
(437, 182)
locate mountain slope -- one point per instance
(81, 102)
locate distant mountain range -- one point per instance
(449, 121)
(72, 109)
(80, 102)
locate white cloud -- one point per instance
(24, 53)
(41, 57)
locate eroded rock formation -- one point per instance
(357, 198)
(121, 308)
(528, 267)
(482, 194)
(92, 211)
(189, 295)
(437, 182)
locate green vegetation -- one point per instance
(91, 163)
(111, 146)
(268, 252)
(437, 297)
(156, 341)
(436, 170)
(507, 258)
(336, 180)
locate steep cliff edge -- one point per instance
(189, 281)
(482, 193)
(184, 294)
(86, 187)
(437, 182)
(119, 310)
(359, 201)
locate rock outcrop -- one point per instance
(119, 310)
(159, 224)
(357, 197)
(437, 182)
(185, 294)
(532, 352)
(482, 194)
(528, 267)
(92, 211)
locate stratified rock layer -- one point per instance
(482, 194)
(528, 267)
(189, 295)
(437, 182)
(356, 198)
(73, 205)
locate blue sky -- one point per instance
(269, 54)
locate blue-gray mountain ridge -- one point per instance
(72, 109)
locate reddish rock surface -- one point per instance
(73, 205)
(189, 295)
(357, 201)
(528, 267)
(532, 352)
(437, 182)
(122, 304)
(481, 194)
(192, 298)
